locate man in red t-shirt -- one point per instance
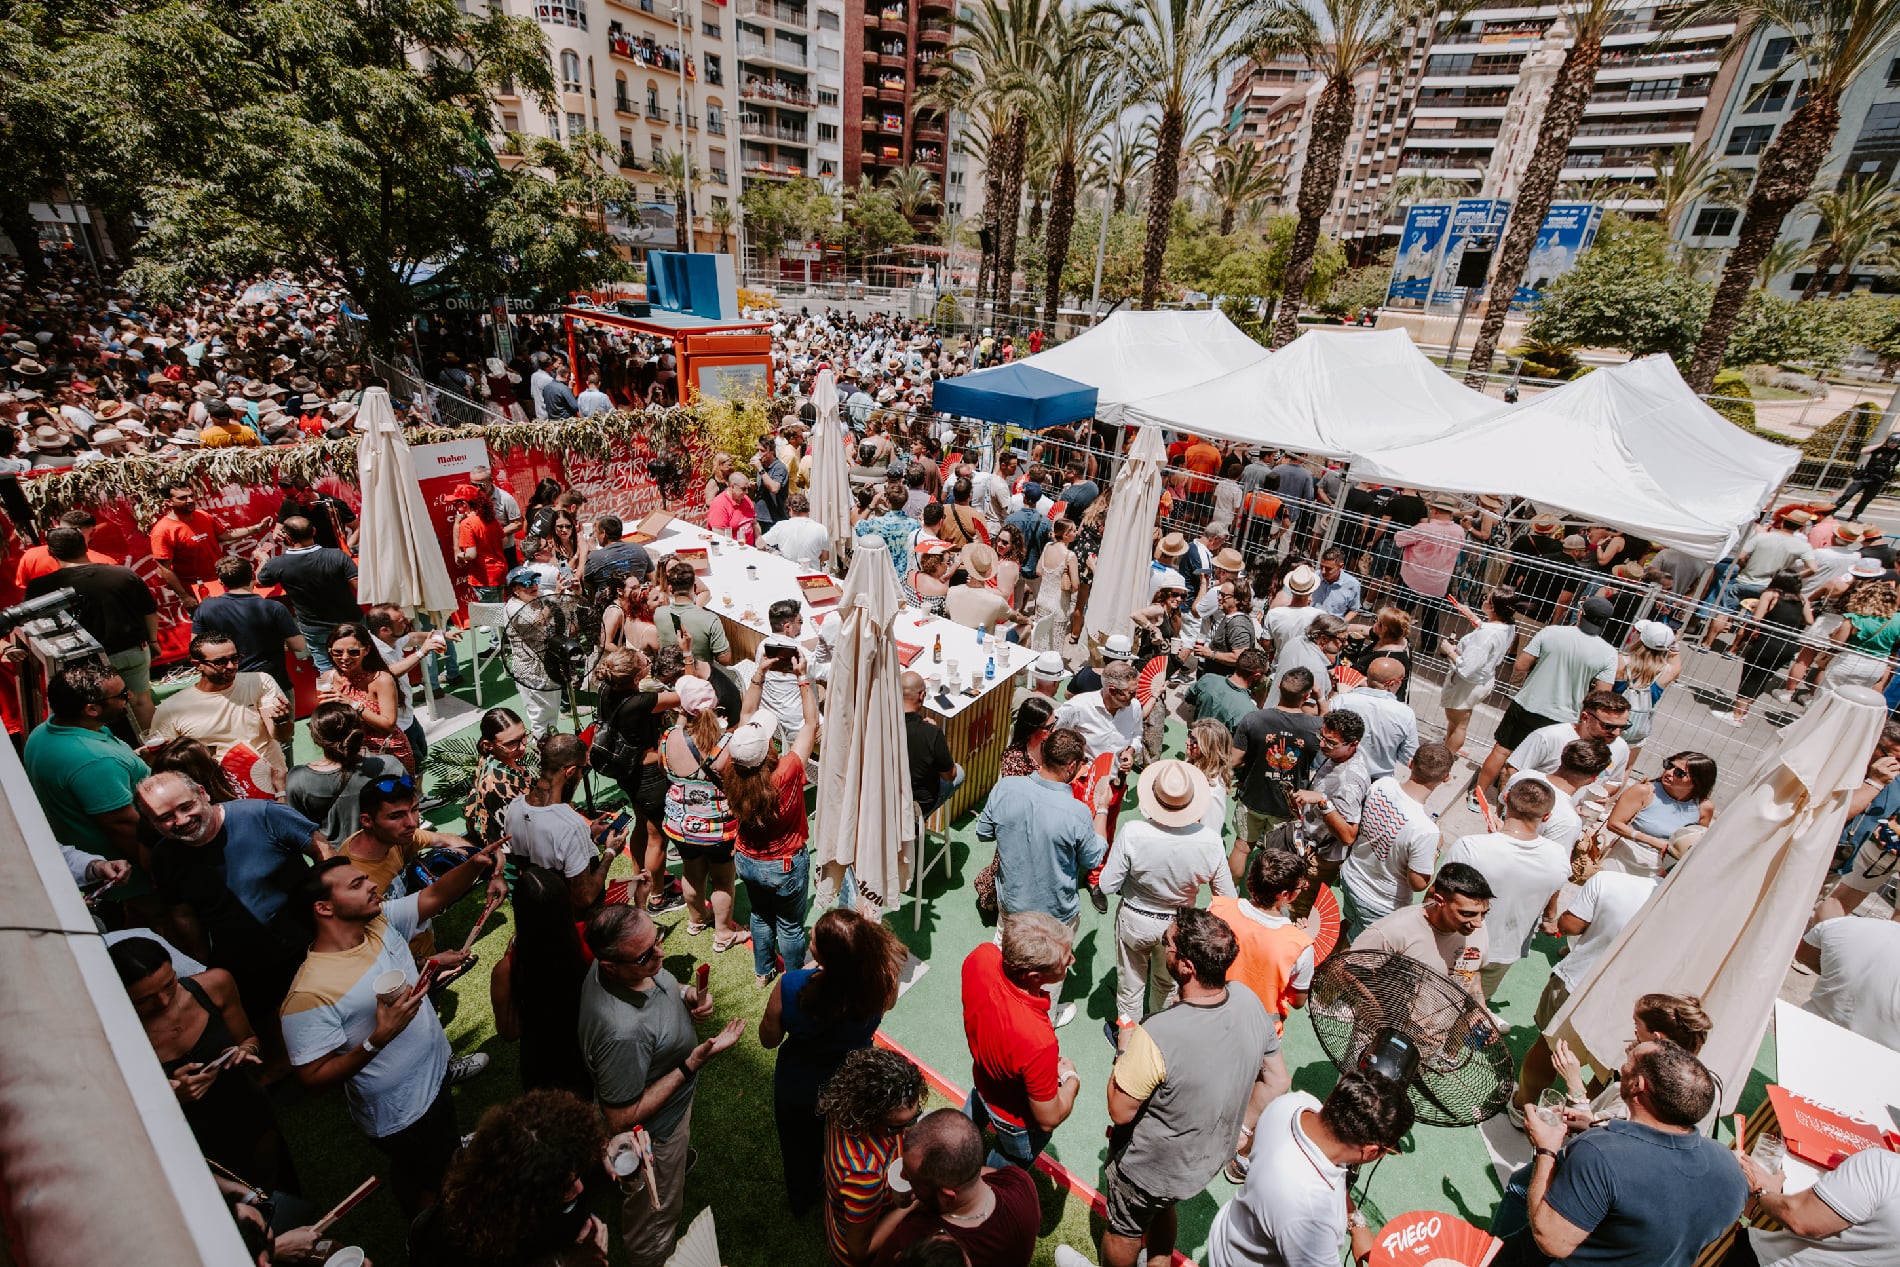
(187, 544)
(1022, 1085)
(992, 1212)
(38, 561)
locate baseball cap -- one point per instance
(523, 576)
(749, 743)
(1596, 613)
(1655, 635)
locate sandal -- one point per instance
(694, 930)
(737, 939)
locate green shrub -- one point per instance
(1547, 361)
(1733, 400)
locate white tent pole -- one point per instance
(1339, 507)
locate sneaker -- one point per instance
(1067, 1257)
(1099, 900)
(462, 1068)
(1726, 716)
(1782, 695)
(1063, 1015)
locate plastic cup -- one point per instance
(976, 679)
(348, 1256)
(625, 1159)
(894, 1176)
(390, 985)
(950, 673)
(1770, 1151)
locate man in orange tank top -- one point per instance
(1275, 962)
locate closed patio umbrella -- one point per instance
(399, 560)
(830, 472)
(1726, 922)
(1122, 564)
(865, 816)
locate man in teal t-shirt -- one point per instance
(83, 774)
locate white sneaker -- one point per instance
(1064, 1013)
(1781, 695)
(1066, 1257)
(1726, 717)
(462, 1068)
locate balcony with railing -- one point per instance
(776, 91)
(632, 161)
(933, 30)
(643, 50)
(928, 155)
(717, 176)
(771, 170)
(891, 123)
(890, 88)
(783, 14)
(716, 127)
(929, 130)
(1616, 59)
(754, 126)
(658, 114)
(779, 54)
(1684, 127)
(1450, 138)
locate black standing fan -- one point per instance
(554, 644)
(1391, 1014)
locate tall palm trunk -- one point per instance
(1121, 199)
(1787, 171)
(1055, 242)
(1568, 96)
(1010, 213)
(1227, 215)
(992, 196)
(1842, 279)
(1822, 267)
(1319, 176)
(1164, 171)
(680, 226)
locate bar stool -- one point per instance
(922, 861)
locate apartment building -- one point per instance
(652, 77)
(1257, 86)
(779, 45)
(893, 52)
(1753, 102)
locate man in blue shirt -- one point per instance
(1648, 1192)
(1339, 592)
(1031, 526)
(1046, 840)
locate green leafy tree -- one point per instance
(1358, 290)
(1835, 42)
(1241, 179)
(722, 222)
(777, 212)
(912, 189)
(1686, 176)
(676, 177)
(1627, 291)
(1858, 220)
(873, 221)
(342, 139)
(1774, 331)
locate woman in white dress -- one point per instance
(1055, 589)
(1475, 659)
(1210, 749)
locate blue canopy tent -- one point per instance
(1017, 395)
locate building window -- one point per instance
(1654, 89)
(1715, 222)
(709, 29)
(827, 20)
(1752, 139)
(1775, 52)
(714, 75)
(1882, 125)
(562, 12)
(1893, 73)
(827, 97)
(827, 59)
(956, 177)
(570, 71)
(1771, 99)
(576, 126)
(510, 123)
(827, 132)
(621, 101)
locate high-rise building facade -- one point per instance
(893, 51)
(1257, 86)
(651, 78)
(1756, 93)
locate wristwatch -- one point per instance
(1544, 1152)
(369, 1046)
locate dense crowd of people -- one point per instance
(274, 919)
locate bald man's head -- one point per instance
(913, 684)
(1385, 673)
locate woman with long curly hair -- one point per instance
(500, 776)
(867, 1104)
(821, 1015)
(1869, 633)
(512, 1195)
(362, 681)
(536, 988)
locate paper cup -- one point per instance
(348, 1256)
(894, 1176)
(390, 985)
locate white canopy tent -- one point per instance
(1135, 354)
(1628, 445)
(1332, 393)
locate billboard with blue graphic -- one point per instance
(1568, 230)
(1417, 257)
(1470, 218)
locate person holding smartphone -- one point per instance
(389, 1052)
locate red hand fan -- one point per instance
(249, 772)
(1154, 671)
(1346, 675)
(1426, 1238)
(1323, 923)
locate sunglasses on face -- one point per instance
(645, 957)
(1611, 726)
(1676, 770)
(345, 651)
(217, 661)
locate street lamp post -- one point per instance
(686, 149)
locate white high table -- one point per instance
(976, 725)
(1835, 1067)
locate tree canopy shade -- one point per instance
(1627, 291)
(344, 139)
(1020, 395)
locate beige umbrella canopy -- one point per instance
(399, 559)
(830, 474)
(1121, 565)
(1726, 922)
(865, 817)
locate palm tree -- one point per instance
(671, 167)
(999, 59)
(1339, 39)
(1686, 176)
(1834, 43)
(1424, 187)
(1240, 179)
(1078, 102)
(1782, 258)
(721, 217)
(1857, 220)
(1172, 50)
(913, 189)
(1589, 21)
(1120, 162)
